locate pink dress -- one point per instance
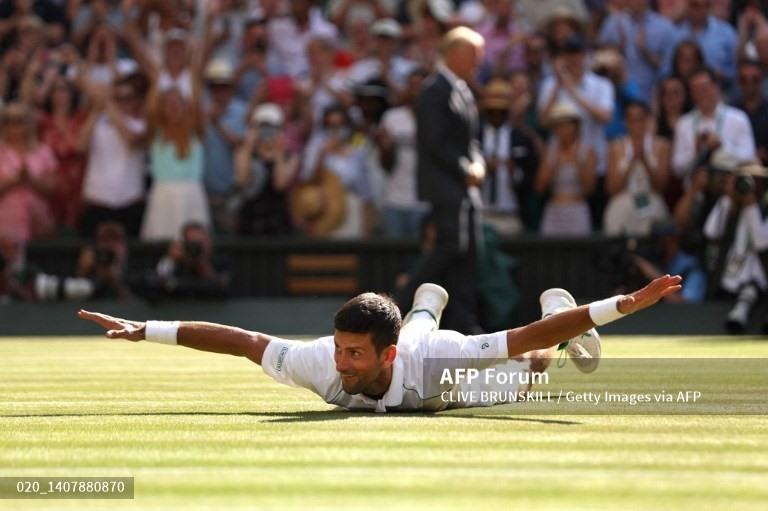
(66, 202)
(24, 213)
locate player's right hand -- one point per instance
(650, 294)
(117, 328)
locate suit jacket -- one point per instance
(446, 141)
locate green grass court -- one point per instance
(205, 431)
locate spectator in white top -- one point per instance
(591, 95)
(289, 36)
(710, 125)
(384, 63)
(114, 136)
(402, 213)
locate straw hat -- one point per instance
(320, 204)
(562, 112)
(496, 95)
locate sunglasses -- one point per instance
(124, 97)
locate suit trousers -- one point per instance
(452, 263)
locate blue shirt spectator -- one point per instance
(645, 38)
(219, 162)
(718, 41)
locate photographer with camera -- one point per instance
(738, 231)
(100, 269)
(189, 269)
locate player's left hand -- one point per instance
(117, 328)
(650, 294)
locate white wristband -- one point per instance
(605, 311)
(163, 332)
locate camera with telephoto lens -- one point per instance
(193, 249)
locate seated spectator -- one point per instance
(638, 168)
(191, 268)
(686, 59)
(224, 131)
(566, 175)
(502, 146)
(526, 148)
(752, 101)
(384, 63)
(592, 96)
(87, 16)
(334, 149)
(710, 125)
(289, 35)
(344, 12)
(609, 63)
(27, 177)
(430, 20)
(177, 196)
(672, 102)
(717, 38)
(324, 86)
(100, 67)
(737, 228)
(645, 38)
(100, 271)
(264, 172)
(114, 136)
(504, 39)
(542, 13)
(402, 212)
(253, 67)
(13, 64)
(60, 129)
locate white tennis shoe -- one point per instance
(584, 350)
(429, 298)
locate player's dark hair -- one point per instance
(370, 313)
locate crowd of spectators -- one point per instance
(276, 117)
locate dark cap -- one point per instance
(574, 43)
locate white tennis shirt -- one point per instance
(311, 365)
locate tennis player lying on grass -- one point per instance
(370, 364)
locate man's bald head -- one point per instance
(462, 51)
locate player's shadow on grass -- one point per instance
(301, 417)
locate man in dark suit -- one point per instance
(450, 170)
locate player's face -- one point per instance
(360, 367)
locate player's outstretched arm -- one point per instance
(192, 334)
(566, 325)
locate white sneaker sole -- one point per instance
(429, 297)
(584, 350)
